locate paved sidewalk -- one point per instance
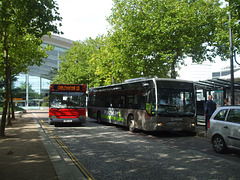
(22, 153)
(27, 152)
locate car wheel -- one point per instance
(219, 144)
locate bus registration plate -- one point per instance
(67, 121)
(176, 119)
(177, 129)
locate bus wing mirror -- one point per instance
(148, 97)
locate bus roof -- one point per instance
(129, 81)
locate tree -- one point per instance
(156, 36)
(45, 102)
(19, 60)
(107, 64)
(149, 38)
(23, 22)
(74, 67)
(111, 65)
(94, 62)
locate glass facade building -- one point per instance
(30, 89)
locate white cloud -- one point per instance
(84, 18)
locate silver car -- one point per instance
(224, 129)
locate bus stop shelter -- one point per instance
(219, 88)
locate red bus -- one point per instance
(67, 103)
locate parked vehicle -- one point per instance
(224, 129)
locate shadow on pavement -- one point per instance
(22, 153)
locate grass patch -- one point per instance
(15, 109)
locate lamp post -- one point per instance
(231, 58)
(27, 90)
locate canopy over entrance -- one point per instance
(216, 84)
(219, 88)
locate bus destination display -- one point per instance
(67, 87)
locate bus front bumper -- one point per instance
(175, 127)
(54, 120)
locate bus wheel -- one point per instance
(50, 122)
(131, 122)
(99, 118)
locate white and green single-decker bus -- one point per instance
(149, 104)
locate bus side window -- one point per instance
(116, 101)
(100, 99)
(135, 101)
(108, 99)
(92, 99)
(122, 101)
(97, 100)
(143, 100)
(130, 101)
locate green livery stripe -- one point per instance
(112, 118)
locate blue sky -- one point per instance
(84, 18)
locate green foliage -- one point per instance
(151, 38)
(234, 8)
(108, 64)
(16, 108)
(22, 24)
(24, 51)
(155, 36)
(75, 68)
(93, 62)
(36, 17)
(45, 102)
(46, 99)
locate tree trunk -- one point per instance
(9, 115)
(9, 122)
(11, 105)
(173, 71)
(4, 114)
(6, 83)
(173, 65)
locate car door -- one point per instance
(218, 122)
(233, 126)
